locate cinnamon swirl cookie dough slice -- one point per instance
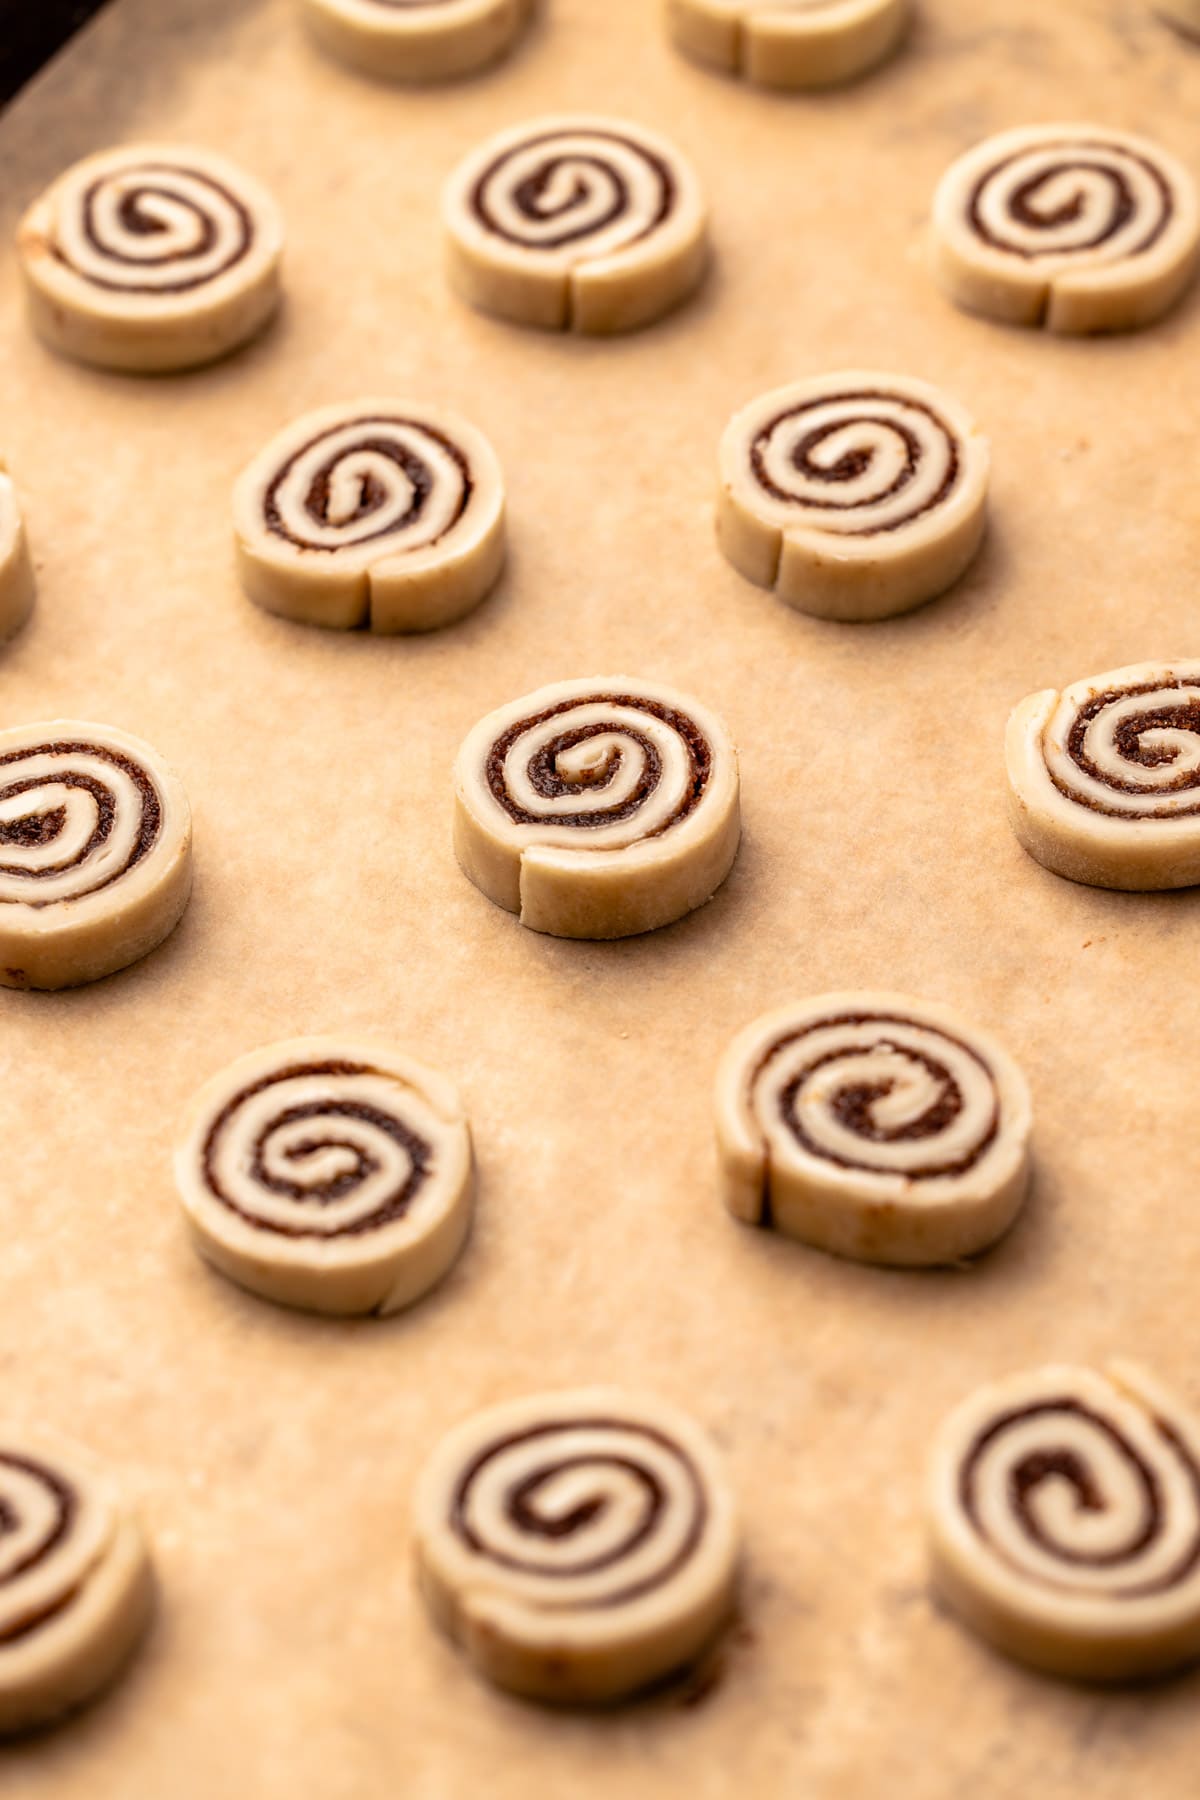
(585, 223)
(416, 40)
(76, 1589)
(1104, 777)
(578, 1546)
(328, 1174)
(789, 43)
(1076, 227)
(855, 495)
(151, 257)
(16, 569)
(376, 512)
(875, 1126)
(95, 853)
(1064, 1521)
(597, 808)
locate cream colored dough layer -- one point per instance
(792, 43)
(416, 40)
(16, 568)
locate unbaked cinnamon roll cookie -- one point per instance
(416, 40)
(1104, 777)
(855, 496)
(95, 853)
(1075, 227)
(585, 223)
(328, 1174)
(76, 1589)
(151, 257)
(597, 808)
(878, 1127)
(578, 1546)
(16, 569)
(789, 43)
(1064, 1518)
(375, 512)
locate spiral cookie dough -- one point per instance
(1075, 227)
(854, 496)
(16, 569)
(377, 512)
(596, 809)
(578, 1546)
(789, 43)
(583, 223)
(1104, 777)
(417, 40)
(875, 1126)
(76, 1588)
(95, 853)
(326, 1174)
(1064, 1519)
(151, 257)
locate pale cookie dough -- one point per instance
(416, 40)
(1064, 1521)
(76, 1588)
(589, 224)
(1104, 777)
(328, 1174)
(95, 853)
(854, 495)
(875, 1126)
(375, 512)
(1075, 227)
(16, 569)
(789, 43)
(151, 257)
(577, 1546)
(597, 808)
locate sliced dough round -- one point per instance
(1064, 1521)
(1076, 227)
(76, 1588)
(1104, 777)
(328, 1174)
(417, 40)
(578, 1546)
(876, 1126)
(151, 257)
(374, 512)
(854, 495)
(575, 222)
(597, 808)
(789, 43)
(95, 852)
(16, 568)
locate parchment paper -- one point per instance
(271, 1454)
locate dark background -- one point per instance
(31, 33)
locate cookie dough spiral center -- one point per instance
(389, 482)
(1132, 753)
(74, 818)
(857, 463)
(617, 767)
(1072, 199)
(590, 190)
(885, 1095)
(1066, 1496)
(587, 1512)
(153, 229)
(316, 1151)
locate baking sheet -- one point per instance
(272, 1454)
